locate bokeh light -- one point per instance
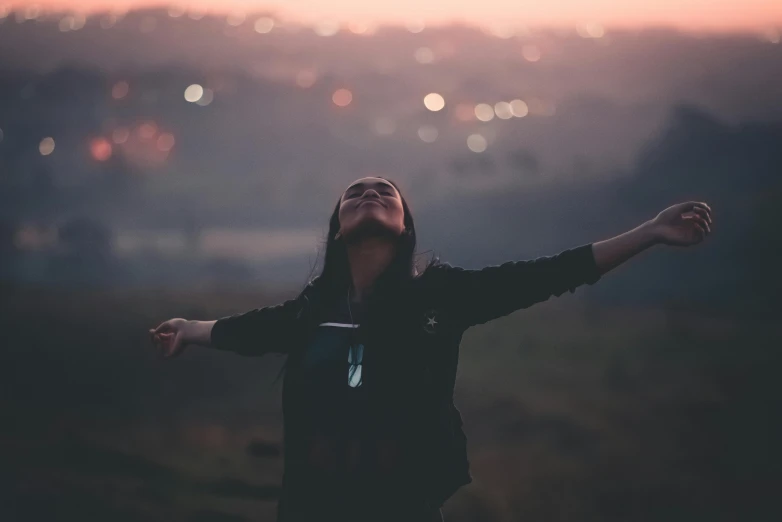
(476, 143)
(519, 108)
(428, 133)
(46, 146)
(147, 130)
(434, 102)
(120, 90)
(100, 149)
(193, 93)
(165, 142)
(484, 112)
(264, 25)
(342, 97)
(531, 53)
(503, 110)
(424, 55)
(206, 98)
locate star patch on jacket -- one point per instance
(430, 321)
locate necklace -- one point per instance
(355, 354)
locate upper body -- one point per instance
(416, 434)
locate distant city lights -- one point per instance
(519, 108)
(434, 102)
(194, 93)
(263, 25)
(503, 110)
(484, 112)
(206, 98)
(147, 130)
(476, 143)
(342, 97)
(100, 149)
(165, 142)
(46, 146)
(428, 133)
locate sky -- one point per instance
(699, 15)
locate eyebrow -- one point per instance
(361, 184)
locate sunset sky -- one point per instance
(711, 15)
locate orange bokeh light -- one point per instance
(100, 149)
(342, 97)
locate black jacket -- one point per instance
(446, 301)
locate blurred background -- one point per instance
(182, 160)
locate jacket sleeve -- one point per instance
(476, 296)
(258, 331)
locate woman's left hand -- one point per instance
(683, 224)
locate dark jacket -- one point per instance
(446, 300)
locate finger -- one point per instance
(702, 212)
(703, 223)
(700, 230)
(165, 326)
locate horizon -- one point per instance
(685, 15)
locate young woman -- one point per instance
(371, 431)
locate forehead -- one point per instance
(369, 182)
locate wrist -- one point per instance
(650, 233)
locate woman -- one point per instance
(371, 431)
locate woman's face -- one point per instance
(372, 206)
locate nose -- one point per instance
(370, 194)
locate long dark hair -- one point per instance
(388, 291)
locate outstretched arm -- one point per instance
(475, 296)
(683, 224)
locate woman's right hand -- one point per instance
(169, 337)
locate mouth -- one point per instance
(370, 201)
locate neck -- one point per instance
(368, 259)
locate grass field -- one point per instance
(572, 414)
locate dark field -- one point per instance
(572, 413)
